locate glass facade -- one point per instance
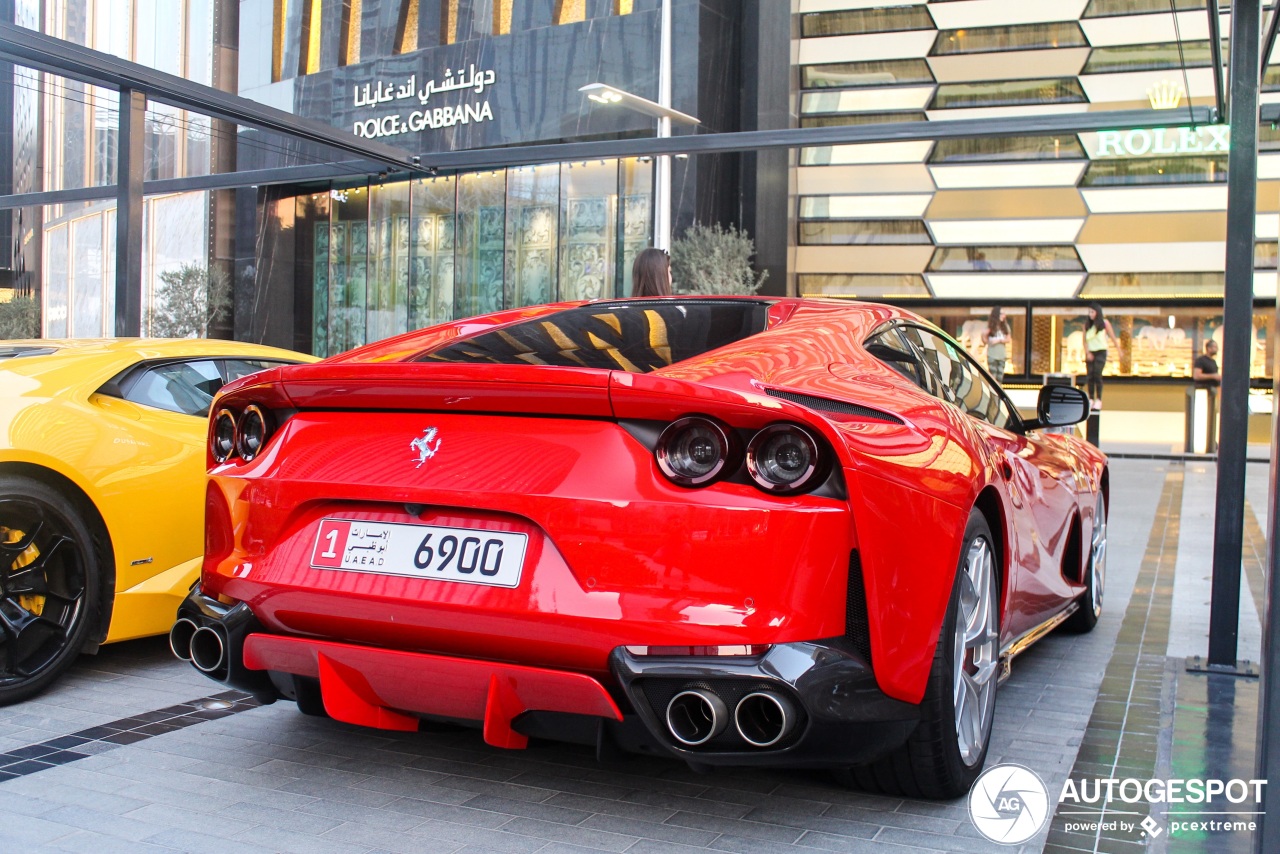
(1041, 225)
(79, 260)
(386, 258)
(78, 126)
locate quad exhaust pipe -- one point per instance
(211, 635)
(203, 646)
(180, 638)
(761, 718)
(209, 652)
(696, 716)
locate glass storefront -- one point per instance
(385, 258)
(80, 268)
(967, 325)
(1156, 341)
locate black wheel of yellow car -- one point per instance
(945, 753)
(48, 586)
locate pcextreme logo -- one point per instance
(1008, 804)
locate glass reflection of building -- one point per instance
(386, 258)
(1039, 224)
(1042, 225)
(365, 259)
(75, 147)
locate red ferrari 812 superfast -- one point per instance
(734, 531)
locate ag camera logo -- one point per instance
(1008, 804)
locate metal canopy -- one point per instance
(36, 50)
(712, 143)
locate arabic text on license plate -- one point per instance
(420, 551)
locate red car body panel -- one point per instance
(363, 685)
(617, 554)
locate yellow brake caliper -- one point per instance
(33, 603)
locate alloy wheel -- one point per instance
(976, 652)
(1098, 555)
(42, 588)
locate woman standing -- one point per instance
(997, 340)
(651, 274)
(1097, 331)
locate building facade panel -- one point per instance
(1134, 219)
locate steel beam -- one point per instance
(130, 162)
(1269, 42)
(1266, 838)
(67, 59)
(1237, 321)
(711, 143)
(1215, 51)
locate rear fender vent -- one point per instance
(857, 627)
(823, 404)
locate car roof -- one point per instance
(146, 348)
(80, 366)
(783, 311)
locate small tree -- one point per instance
(710, 259)
(20, 318)
(189, 302)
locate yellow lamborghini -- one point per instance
(102, 483)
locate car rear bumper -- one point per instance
(821, 695)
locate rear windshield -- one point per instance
(637, 335)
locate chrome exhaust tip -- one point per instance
(763, 718)
(696, 716)
(180, 638)
(208, 651)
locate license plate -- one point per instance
(420, 551)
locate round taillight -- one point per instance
(222, 442)
(251, 433)
(783, 458)
(692, 451)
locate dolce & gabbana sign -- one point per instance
(417, 112)
(1154, 142)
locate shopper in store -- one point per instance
(1204, 370)
(1097, 332)
(997, 340)
(651, 274)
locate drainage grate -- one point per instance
(108, 736)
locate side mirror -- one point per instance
(1061, 405)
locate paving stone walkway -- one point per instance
(201, 777)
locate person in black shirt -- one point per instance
(1204, 370)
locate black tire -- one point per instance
(1095, 574)
(306, 694)
(932, 763)
(50, 586)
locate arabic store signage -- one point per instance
(421, 113)
(1143, 142)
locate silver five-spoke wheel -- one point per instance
(976, 651)
(1098, 555)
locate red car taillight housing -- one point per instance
(243, 437)
(782, 458)
(693, 451)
